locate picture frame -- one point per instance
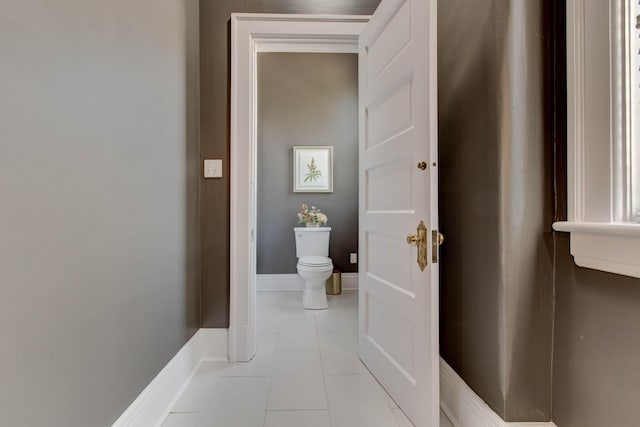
(313, 169)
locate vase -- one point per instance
(313, 224)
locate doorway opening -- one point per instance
(253, 34)
(307, 104)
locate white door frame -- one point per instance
(250, 34)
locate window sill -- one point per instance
(611, 247)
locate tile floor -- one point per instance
(306, 373)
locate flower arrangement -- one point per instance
(311, 216)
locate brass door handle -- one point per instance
(420, 240)
(412, 240)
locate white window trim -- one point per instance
(598, 181)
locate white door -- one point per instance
(398, 132)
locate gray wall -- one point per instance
(596, 363)
(214, 128)
(99, 171)
(306, 99)
(496, 271)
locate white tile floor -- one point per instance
(306, 373)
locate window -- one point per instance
(633, 102)
(626, 92)
(603, 112)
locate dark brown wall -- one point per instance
(214, 128)
(495, 192)
(469, 185)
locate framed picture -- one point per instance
(313, 169)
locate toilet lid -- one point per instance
(315, 261)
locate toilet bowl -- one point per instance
(314, 264)
(315, 270)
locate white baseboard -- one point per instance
(293, 282)
(465, 408)
(214, 344)
(153, 404)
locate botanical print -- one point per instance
(313, 169)
(314, 173)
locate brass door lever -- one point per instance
(420, 240)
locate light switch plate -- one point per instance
(213, 168)
(354, 258)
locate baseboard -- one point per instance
(214, 344)
(153, 404)
(465, 408)
(293, 282)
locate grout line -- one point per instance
(273, 369)
(351, 374)
(324, 381)
(245, 376)
(266, 404)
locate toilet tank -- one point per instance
(312, 241)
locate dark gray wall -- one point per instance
(496, 275)
(214, 128)
(596, 363)
(306, 99)
(99, 166)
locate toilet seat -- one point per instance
(315, 261)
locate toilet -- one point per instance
(314, 264)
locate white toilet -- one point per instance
(314, 264)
